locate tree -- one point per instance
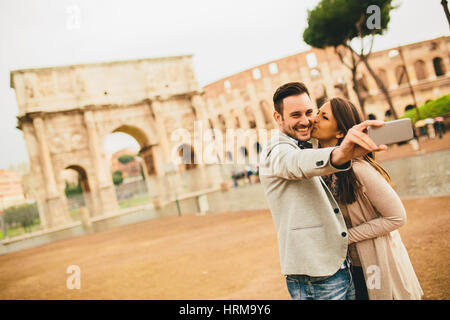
(117, 177)
(23, 214)
(445, 7)
(336, 23)
(125, 158)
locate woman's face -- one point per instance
(325, 127)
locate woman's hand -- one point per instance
(356, 143)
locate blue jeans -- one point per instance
(336, 287)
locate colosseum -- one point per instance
(244, 100)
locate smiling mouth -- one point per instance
(302, 129)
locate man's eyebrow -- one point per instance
(294, 112)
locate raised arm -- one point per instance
(288, 162)
(384, 199)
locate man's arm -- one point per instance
(288, 162)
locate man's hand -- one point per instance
(356, 143)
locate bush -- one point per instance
(435, 108)
(73, 189)
(23, 214)
(117, 177)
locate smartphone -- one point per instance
(392, 132)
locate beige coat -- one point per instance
(375, 217)
(312, 236)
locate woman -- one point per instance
(373, 212)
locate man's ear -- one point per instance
(340, 135)
(278, 117)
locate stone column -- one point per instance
(56, 211)
(107, 193)
(161, 130)
(35, 181)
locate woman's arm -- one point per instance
(384, 199)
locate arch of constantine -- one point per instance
(66, 113)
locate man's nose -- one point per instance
(305, 121)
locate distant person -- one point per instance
(312, 235)
(372, 211)
(439, 126)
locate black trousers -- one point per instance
(360, 283)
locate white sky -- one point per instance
(225, 37)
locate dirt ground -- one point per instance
(230, 255)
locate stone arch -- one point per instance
(88, 198)
(439, 68)
(419, 68)
(147, 150)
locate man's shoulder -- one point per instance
(277, 139)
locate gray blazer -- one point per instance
(312, 236)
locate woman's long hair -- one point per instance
(347, 116)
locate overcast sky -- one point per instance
(225, 37)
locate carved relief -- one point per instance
(67, 141)
(46, 84)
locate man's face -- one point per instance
(297, 118)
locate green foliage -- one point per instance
(23, 214)
(117, 177)
(125, 158)
(435, 108)
(334, 22)
(73, 189)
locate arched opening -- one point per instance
(132, 163)
(439, 68)
(400, 74)
(244, 151)
(78, 192)
(222, 123)
(258, 147)
(321, 94)
(340, 90)
(419, 67)
(409, 107)
(250, 117)
(363, 87)
(187, 156)
(388, 115)
(266, 112)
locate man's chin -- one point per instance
(303, 137)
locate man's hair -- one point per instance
(286, 90)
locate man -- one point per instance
(312, 236)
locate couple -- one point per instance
(334, 209)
